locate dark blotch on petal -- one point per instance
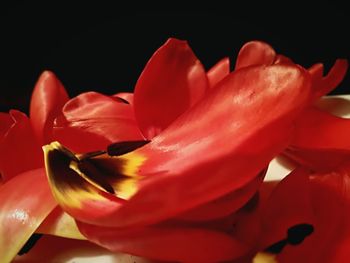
(297, 234)
(120, 148)
(30, 244)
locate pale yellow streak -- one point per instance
(264, 258)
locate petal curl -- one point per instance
(48, 98)
(255, 53)
(19, 216)
(96, 119)
(19, 150)
(322, 85)
(172, 81)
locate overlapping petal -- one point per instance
(172, 81)
(327, 199)
(25, 202)
(91, 121)
(48, 98)
(180, 244)
(242, 107)
(19, 150)
(218, 72)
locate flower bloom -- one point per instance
(165, 172)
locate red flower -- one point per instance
(208, 145)
(164, 173)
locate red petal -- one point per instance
(255, 53)
(225, 205)
(318, 129)
(6, 122)
(178, 244)
(285, 208)
(127, 96)
(48, 98)
(26, 200)
(192, 162)
(19, 150)
(218, 72)
(97, 120)
(323, 85)
(330, 198)
(172, 81)
(281, 59)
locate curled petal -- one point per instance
(323, 85)
(19, 150)
(97, 120)
(255, 53)
(178, 244)
(172, 81)
(219, 71)
(48, 98)
(20, 217)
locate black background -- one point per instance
(105, 46)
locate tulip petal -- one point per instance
(96, 119)
(48, 98)
(255, 53)
(192, 162)
(219, 71)
(299, 207)
(225, 205)
(324, 85)
(178, 244)
(318, 129)
(20, 217)
(6, 122)
(127, 96)
(330, 200)
(59, 223)
(19, 150)
(172, 81)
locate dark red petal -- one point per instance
(91, 121)
(26, 200)
(219, 71)
(255, 53)
(19, 150)
(177, 244)
(172, 81)
(323, 85)
(48, 98)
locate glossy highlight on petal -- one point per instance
(20, 217)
